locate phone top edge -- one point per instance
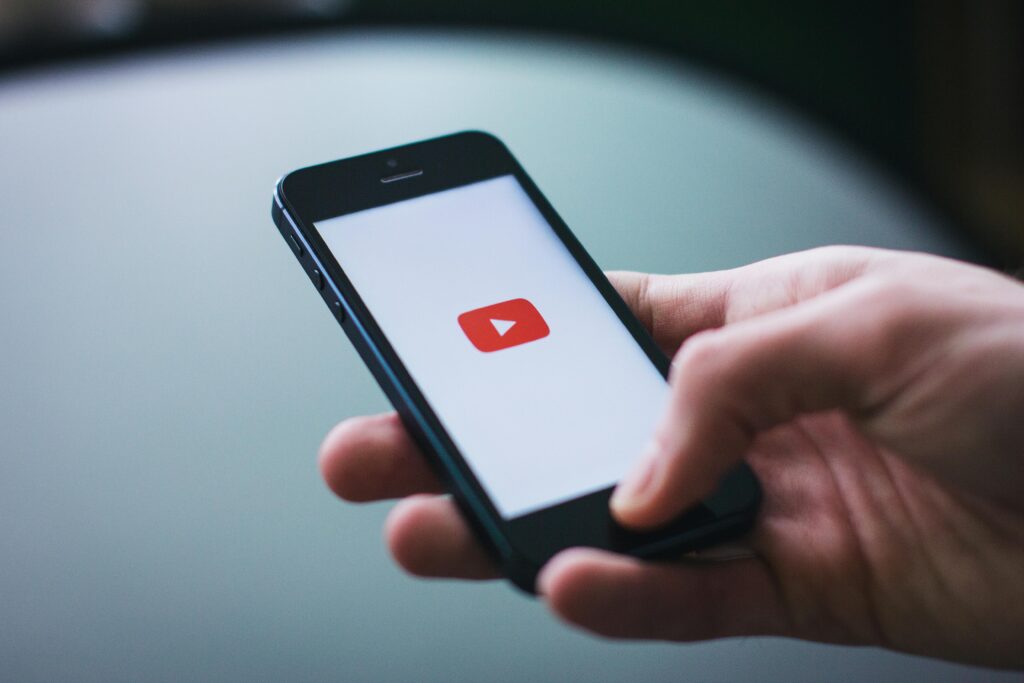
(356, 158)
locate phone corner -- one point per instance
(280, 186)
(277, 210)
(522, 574)
(479, 136)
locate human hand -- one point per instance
(878, 395)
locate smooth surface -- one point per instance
(168, 371)
(540, 423)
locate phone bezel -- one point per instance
(523, 544)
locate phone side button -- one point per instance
(339, 310)
(318, 279)
(293, 241)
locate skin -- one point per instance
(878, 395)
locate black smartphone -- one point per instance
(512, 361)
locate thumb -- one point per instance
(673, 307)
(733, 382)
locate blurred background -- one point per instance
(166, 375)
(930, 89)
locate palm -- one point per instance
(862, 548)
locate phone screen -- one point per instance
(544, 391)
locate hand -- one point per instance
(878, 395)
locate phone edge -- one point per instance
(513, 565)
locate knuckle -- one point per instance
(890, 296)
(827, 252)
(892, 307)
(889, 321)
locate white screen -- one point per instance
(540, 422)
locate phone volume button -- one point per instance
(293, 241)
(339, 310)
(318, 278)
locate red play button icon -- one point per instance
(500, 326)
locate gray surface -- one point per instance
(167, 372)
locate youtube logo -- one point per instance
(500, 326)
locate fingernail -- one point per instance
(638, 484)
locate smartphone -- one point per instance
(512, 361)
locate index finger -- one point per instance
(372, 458)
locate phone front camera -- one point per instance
(392, 163)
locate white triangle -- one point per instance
(502, 326)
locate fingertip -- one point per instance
(616, 596)
(578, 583)
(369, 458)
(333, 440)
(428, 537)
(663, 508)
(549, 574)
(402, 533)
(628, 514)
(633, 494)
(679, 468)
(658, 492)
(335, 457)
(627, 511)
